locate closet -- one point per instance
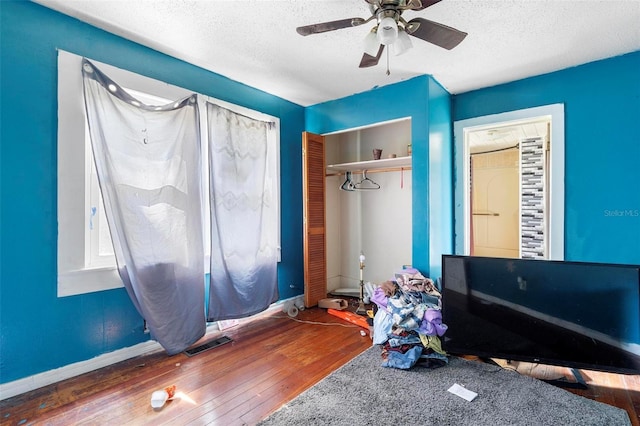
(367, 208)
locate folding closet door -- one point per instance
(314, 222)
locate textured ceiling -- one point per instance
(255, 42)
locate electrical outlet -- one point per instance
(522, 284)
(145, 329)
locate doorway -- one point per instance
(509, 184)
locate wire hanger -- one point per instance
(366, 183)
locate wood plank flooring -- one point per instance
(271, 360)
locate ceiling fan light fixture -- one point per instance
(387, 31)
(403, 43)
(371, 43)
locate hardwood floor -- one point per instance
(270, 361)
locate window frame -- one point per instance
(78, 271)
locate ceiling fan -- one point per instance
(392, 29)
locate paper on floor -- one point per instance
(462, 392)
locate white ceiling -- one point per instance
(255, 42)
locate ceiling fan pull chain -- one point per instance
(388, 72)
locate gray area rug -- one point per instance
(362, 392)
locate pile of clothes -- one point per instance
(408, 322)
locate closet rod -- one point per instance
(369, 171)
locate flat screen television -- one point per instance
(572, 314)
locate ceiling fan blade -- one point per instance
(426, 4)
(433, 32)
(370, 61)
(329, 26)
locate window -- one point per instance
(86, 262)
(99, 251)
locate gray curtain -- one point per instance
(149, 169)
(243, 216)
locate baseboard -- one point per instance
(20, 386)
(17, 387)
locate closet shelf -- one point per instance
(383, 163)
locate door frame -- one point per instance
(556, 171)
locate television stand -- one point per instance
(564, 383)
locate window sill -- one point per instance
(88, 281)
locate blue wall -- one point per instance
(440, 172)
(428, 105)
(602, 150)
(38, 330)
